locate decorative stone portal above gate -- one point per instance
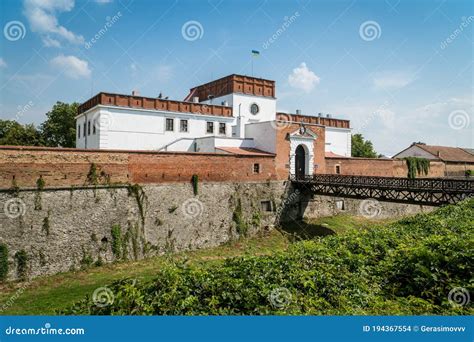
(302, 152)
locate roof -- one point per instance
(447, 153)
(333, 155)
(469, 150)
(244, 151)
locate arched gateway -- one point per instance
(302, 152)
(300, 162)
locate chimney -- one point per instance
(439, 154)
(298, 112)
(135, 93)
(196, 99)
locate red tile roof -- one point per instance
(333, 155)
(244, 151)
(446, 153)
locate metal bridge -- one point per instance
(434, 191)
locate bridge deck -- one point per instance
(422, 190)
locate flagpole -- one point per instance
(255, 53)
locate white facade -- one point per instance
(142, 129)
(242, 109)
(253, 125)
(338, 141)
(263, 135)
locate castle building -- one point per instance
(235, 114)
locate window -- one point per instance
(88, 128)
(221, 128)
(210, 127)
(254, 109)
(338, 169)
(266, 206)
(85, 127)
(340, 205)
(78, 131)
(183, 125)
(169, 125)
(256, 168)
(93, 126)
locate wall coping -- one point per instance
(363, 158)
(79, 150)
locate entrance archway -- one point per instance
(300, 162)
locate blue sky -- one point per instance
(400, 70)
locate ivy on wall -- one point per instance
(137, 191)
(195, 181)
(116, 233)
(21, 258)
(40, 183)
(3, 262)
(417, 166)
(239, 220)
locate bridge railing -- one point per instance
(394, 183)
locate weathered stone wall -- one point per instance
(321, 206)
(66, 229)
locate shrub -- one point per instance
(405, 268)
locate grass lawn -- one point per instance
(44, 295)
(309, 229)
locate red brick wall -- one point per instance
(70, 167)
(378, 167)
(283, 148)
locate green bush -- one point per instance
(405, 268)
(3, 262)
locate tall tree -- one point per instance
(13, 133)
(59, 129)
(362, 148)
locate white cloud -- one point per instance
(50, 42)
(303, 78)
(42, 17)
(164, 73)
(71, 66)
(443, 108)
(392, 80)
(3, 64)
